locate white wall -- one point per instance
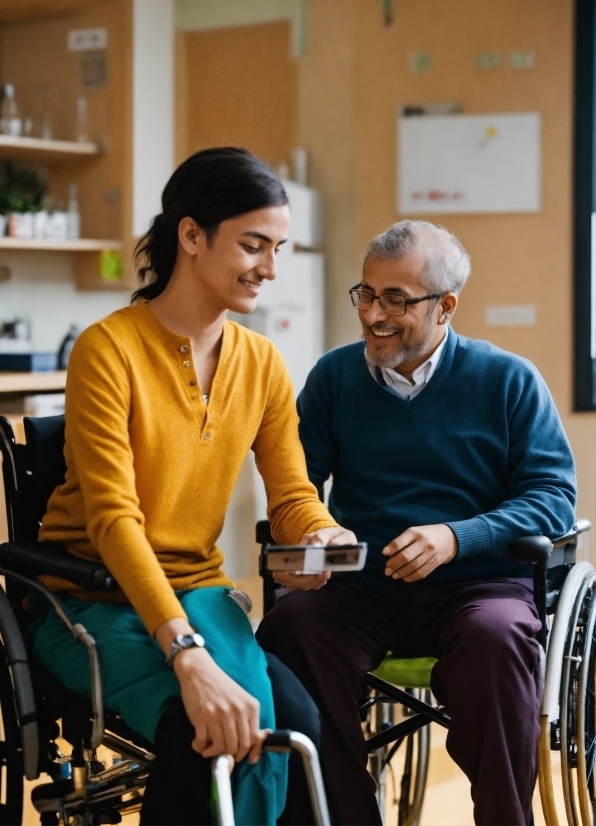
(42, 287)
(153, 107)
(196, 15)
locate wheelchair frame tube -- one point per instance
(80, 633)
(413, 703)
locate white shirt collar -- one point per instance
(421, 375)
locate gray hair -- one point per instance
(447, 263)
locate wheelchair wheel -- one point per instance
(578, 723)
(11, 756)
(586, 722)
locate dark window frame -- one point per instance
(584, 219)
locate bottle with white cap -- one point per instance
(10, 122)
(73, 216)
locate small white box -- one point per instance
(86, 40)
(511, 315)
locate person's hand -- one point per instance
(314, 582)
(225, 716)
(418, 551)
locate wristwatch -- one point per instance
(181, 642)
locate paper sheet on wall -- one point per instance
(468, 163)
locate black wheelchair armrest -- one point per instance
(35, 558)
(533, 549)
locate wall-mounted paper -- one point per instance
(469, 163)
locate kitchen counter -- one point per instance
(27, 383)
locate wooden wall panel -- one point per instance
(242, 90)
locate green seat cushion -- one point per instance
(408, 673)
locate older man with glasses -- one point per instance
(442, 450)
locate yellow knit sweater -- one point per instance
(151, 467)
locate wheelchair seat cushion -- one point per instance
(407, 673)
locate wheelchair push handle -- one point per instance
(281, 742)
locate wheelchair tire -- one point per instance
(586, 719)
(11, 755)
(579, 648)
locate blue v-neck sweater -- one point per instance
(481, 449)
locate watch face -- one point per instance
(190, 640)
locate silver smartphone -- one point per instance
(314, 559)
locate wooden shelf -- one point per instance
(33, 382)
(48, 245)
(42, 151)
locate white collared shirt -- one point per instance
(421, 375)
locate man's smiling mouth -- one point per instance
(383, 333)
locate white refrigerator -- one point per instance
(290, 312)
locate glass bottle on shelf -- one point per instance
(73, 216)
(45, 122)
(82, 127)
(10, 122)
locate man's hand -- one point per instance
(418, 551)
(314, 582)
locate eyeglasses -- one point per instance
(392, 303)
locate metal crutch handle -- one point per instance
(283, 742)
(220, 771)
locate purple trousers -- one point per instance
(484, 634)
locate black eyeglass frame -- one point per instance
(354, 291)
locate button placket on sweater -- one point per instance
(195, 392)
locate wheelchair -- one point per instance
(36, 709)
(565, 598)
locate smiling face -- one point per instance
(230, 268)
(402, 342)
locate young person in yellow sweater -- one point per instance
(164, 400)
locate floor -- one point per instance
(447, 801)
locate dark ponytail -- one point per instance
(211, 186)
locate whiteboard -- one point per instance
(468, 163)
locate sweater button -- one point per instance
(206, 435)
(192, 383)
(183, 348)
(187, 363)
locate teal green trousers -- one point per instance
(137, 683)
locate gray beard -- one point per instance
(406, 353)
(393, 360)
